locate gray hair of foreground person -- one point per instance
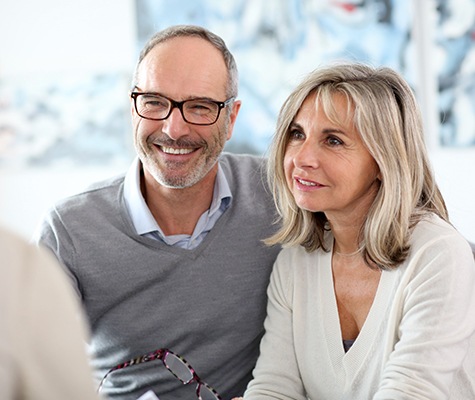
(199, 32)
(388, 119)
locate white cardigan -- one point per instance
(418, 341)
(42, 332)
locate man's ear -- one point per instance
(233, 116)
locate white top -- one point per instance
(42, 334)
(414, 343)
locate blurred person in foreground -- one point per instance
(43, 334)
(170, 256)
(373, 295)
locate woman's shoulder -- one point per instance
(435, 231)
(435, 241)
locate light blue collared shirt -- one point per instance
(146, 225)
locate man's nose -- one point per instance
(175, 126)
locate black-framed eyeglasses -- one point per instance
(156, 107)
(177, 365)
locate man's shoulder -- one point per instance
(109, 183)
(98, 205)
(246, 175)
(242, 165)
(244, 159)
(104, 189)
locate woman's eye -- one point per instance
(334, 141)
(295, 134)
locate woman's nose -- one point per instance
(307, 155)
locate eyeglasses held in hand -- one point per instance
(177, 365)
(194, 111)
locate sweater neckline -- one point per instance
(158, 244)
(349, 363)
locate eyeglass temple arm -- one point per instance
(157, 354)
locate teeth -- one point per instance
(171, 150)
(306, 183)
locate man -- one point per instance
(42, 353)
(171, 256)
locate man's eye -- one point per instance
(200, 107)
(154, 102)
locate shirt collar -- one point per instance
(142, 218)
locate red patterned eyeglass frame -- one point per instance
(162, 354)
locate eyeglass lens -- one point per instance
(178, 368)
(205, 393)
(183, 372)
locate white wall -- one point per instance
(455, 173)
(66, 35)
(59, 35)
(55, 36)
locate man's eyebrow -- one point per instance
(143, 91)
(154, 93)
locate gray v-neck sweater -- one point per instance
(206, 304)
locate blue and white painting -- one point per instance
(455, 55)
(276, 42)
(84, 118)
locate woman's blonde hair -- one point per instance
(388, 119)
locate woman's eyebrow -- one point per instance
(334, 130)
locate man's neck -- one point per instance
(177, 211)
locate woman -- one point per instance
(373, 295)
